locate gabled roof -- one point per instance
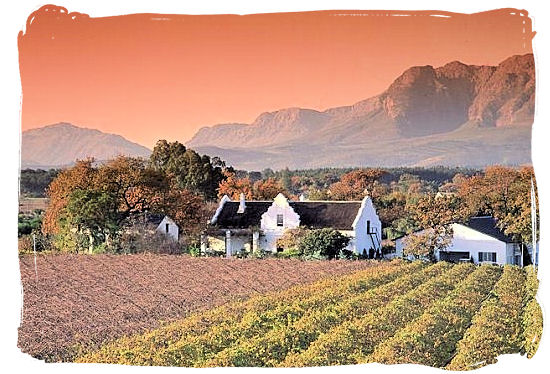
(313, 214)
(146, 217)
(319, 214)
(154, 218)
(488, 226)
(229, 218)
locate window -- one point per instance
(487, 257)
(167, 228)
(279, 220)
(368, 227)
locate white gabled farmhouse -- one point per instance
(252, 225)
(479, 240)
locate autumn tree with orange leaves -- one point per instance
(504, 193)
(355, 184)
(89, 204)
(266, 189)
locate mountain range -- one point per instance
(455, 115)
(62, 144)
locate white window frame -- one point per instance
(487, 257)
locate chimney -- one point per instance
(302, 197)
(242, 204)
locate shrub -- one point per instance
(26, 245)
(194, 250)
(290, 241)
(324, 243)
(141, 238)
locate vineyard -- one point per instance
(458, 317)
(78, 302)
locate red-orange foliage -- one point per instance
(355, 184)
(233, 187)
(80, 176)
(267, 189)
(260, 190)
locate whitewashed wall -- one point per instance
(350, 234)
(466, 239)
(173, 229)
(268, 224)
(367, 212)
(469, 240)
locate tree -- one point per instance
(425, 243)
(431, 210)
(517, 222)
(291, 239)
(93, 214)
(267, 189)
(355, 184)
(193, 172)
(132, 184)
(324, 243)
(80, 176)
(504, 193)
(233, 187)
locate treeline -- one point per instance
(33, 183)
(302, 181)
(90, 205)
(407, 199)
(98, 208)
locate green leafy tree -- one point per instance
(290, 241)
(199, 174)
(92, 214)
(324, 243)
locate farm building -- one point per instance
(479, 240)
(256, 225)
(158, 222)
(164, 225)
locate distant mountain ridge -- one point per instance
(457, 114)
(61, 144)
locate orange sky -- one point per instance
(163, 76)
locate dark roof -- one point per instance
(154, 218)
(146, 217)
(488, 225)
(229, 218)
(319, 214)
(314, 214)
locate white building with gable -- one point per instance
(256, 225)
(479, 240)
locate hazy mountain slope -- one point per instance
(463, 147)
(427, 115)
(61, 144)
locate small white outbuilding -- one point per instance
(164, 225)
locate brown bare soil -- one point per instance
(75, 302)
(30, 204)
